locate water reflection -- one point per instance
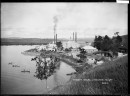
(45, 67)
(13, 81)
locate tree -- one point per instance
(106, 43)
(116, 43)
(118, 39)
(82, 54)
(116, 33)
(59, 44)
(98, 42)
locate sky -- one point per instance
(37, 20)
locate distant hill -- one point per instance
(24, 41)
(34, 41)
(90, 40)
(39, 41)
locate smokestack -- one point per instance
(55, 25)
(54, 34)
(73, 36)
(56, 37)
(76, 36)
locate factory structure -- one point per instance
(90, 49)
(75, 46)
(71, 43)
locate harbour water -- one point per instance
(13, 81)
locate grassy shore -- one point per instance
(108, 78)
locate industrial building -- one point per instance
(71, 43)
(89, 49)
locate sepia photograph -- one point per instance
(64, 48)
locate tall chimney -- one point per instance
(54, 33)
(73, 36)
(55, 25)
(56, 37)
(76, 36)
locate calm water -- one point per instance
(13, 81)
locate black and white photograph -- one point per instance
(64, 48)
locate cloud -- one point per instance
(88, 19)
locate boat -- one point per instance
(25, 71)
(15, 66)
(10, 63)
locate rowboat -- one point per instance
(25, 71)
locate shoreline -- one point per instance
(110, 70)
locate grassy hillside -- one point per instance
(125, 40)
(108, 78)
